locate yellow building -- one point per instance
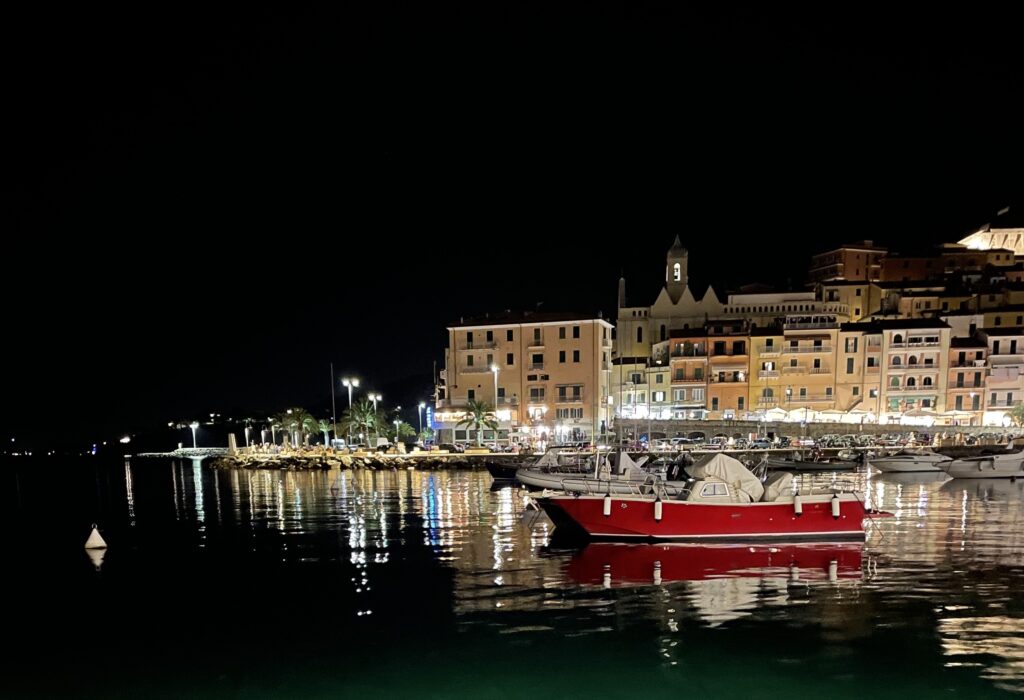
(547, 374)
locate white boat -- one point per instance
(624, 477)
(909, 461)
(997, 466)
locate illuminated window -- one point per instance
(677, 272)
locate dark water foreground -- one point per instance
(429, 585)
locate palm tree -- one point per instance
(404, 430)
(325, 428)
(299, 422)
(426, 434)
(360, 417)
(479, 415)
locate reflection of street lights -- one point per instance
(193, 425)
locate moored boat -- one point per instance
(996, 466)
(724, 501)
(909, 461)
(809, 465)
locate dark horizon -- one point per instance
(241, 199)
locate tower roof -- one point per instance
(677, 247)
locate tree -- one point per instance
(479, 415)
(299, 422)
(404, 430)
(325, 428)
(1017, 414)
(426, 434)
(360, 418)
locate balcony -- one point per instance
(767, 401)
(539, 344)
(508, 401)
(767, 374)
(479, 345)
(537, 399)
(689, 380)
(535, 365)
(802, 349)
(873, 369)
(769, 350)
(451, 403)
(727, 380)
(794, 370)
(1004, 403)
(688, 353)
(966, 385)
(810, 398)
(476, 369)
(820, 370)
(873, 347)
(919, 389)
(570, 398)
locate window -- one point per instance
(536, 336)
(792, 363)
(896, 362)
(872, 362)
(817, 364)
(663, 332)
(658, 378)
(993, 401)
(536, 393)
(995, 347)
(999, 321)
(714, 403)
(471, 394)
(575, 331)
(469, 361)
(926, 403)
(677, 272)
(679, 394)
(739, 404)
(561, 333)
(714, 489)
(659, 396)
(767, 392)
(977, 379)
(577, 392)
(490, 336)
(698, 373)
(460, 435)
(719, 347)
(858, 292)
(561, 393)
(849, 365)
(679, 376)
(769, 343)
(739, 347)
(509, 359)
(636, 378)
(958, 403)
(575, 355)
(538, 361)
(911, 381)
(851, 345)
(469, 338)
(561, 356)
(697, 394)
(508, 336)
(803, 392)
(873, 393)
(1013, 347)
(912, 360)
(828, 391)
(927, 381)
(1020, 320)
(501, 392)
(975, 403)
(856, 391)
(641, 397)
(817, 344)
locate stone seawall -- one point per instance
(312, 461)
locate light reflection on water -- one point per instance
(949, 564)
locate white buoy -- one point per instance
(798, 505)
(657, 573)
(95, 541)
(833, 571)
(794, 573)
(657, 510)
(607, 505)
(835, 506)
(96, 557)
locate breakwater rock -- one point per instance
(326, 460)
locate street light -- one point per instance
(397, 421)
(421, 407)
(348, 383)
(193, 425)
(375, 397)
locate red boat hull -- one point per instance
(613, 564)
(682, 520)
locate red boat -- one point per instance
(724, 501)
(613, 564)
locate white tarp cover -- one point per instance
(779, 484)
(732, 472)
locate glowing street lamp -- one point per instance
(348, 383)
(193, 425)
(375, 398)
(421, 407)
(397, 421)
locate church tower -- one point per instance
(675, 270)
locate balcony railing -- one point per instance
(820, 370)
(570, 398)
(966, 385)
(801, 349)
(873, 347)
(769, 349)
(508, 401)
(1004, 403)
(810, 398)
(537, 399)
(728, 380)
(689, 380)
(536, 365)
(688, 353)
(476, 369)
(767, 401)
(794, 370)
(918, 388)
(535, 344)
(873, 369)
(767, 374)
(479, 345)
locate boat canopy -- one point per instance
(732, 472)
(778, 485)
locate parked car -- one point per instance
(761, 444)
(450, 447)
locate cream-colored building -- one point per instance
(547, 374)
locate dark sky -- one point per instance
(206, 207)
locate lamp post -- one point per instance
(421, 407)
(375, 397)
(348, 383)
(494, 370)
(397, 421)
(193, 425)
(273, 433)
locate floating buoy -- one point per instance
(835, 506)
(607, 505)
(833, 571)
(798, 505)
(95, 541)
(657, 573)
(794, 573)
(657, 510)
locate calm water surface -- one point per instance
(418, 584)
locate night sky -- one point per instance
(206, 207)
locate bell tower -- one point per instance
(675, 270)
